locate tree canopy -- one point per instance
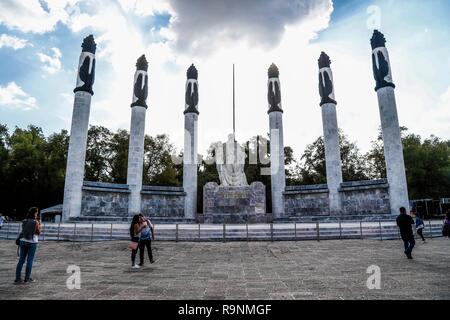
(32, 166)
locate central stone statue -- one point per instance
(230, 160)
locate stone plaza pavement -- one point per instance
(334, 269)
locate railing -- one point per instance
(381, 230)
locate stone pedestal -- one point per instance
(393, 150)
(332, 155)
(136, 158)
(190, 164)
(244, 204)
(277, 170)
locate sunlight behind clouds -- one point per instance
(121, 42)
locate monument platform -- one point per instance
(234, 204)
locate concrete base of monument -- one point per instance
(111, 219)
(235, 204)
(240, 218)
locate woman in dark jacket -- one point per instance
(135, 230)
(31, 228)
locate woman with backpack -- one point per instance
(419, 226)
(145, 241)
(28, 240)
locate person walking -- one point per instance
(145, 240)
(135, 231)
(31, 228)
(405, 222)
(446, 225)
(420, 226)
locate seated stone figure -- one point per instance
(230, 160)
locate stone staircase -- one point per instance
(318, 231)
(337, 218)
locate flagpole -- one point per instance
(234, 112)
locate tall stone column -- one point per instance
(79, 129)
(330, 133)
(190, 158)
(137, 134)
(393, 149)
(278, 178)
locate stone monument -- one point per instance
(190, 157)
(230, 161)
(137, 135)
(278, 176)
(233, 201)
(393, 149)
(79, 129)
(330, 133)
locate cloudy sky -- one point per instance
(40, 45)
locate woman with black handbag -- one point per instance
(28, 240)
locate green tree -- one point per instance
(427, 167)
(98, 153)
(4, 156)
(118, 158)
(159, 168)
(427, 164)
(54, 170)
(25, 168)
(312, 168)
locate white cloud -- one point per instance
(145, 7)
(12, 96)
(52, 64)
(13, 42)
(32, 16)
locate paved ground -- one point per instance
(236, 270)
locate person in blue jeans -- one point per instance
(145, 239)
(31, 228)
(420, 226)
